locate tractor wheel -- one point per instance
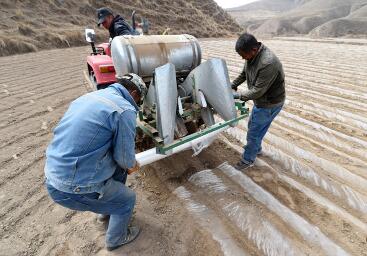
(93, 80)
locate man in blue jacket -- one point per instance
(92, 150)
(116, 25)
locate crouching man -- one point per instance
(265, 86)
(92, 151)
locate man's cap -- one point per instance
(138, 82)
(102, 14)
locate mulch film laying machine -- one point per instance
(183, 95)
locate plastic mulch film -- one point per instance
(328, 166)
(344, 192)
(208, 220)
(246, 217)
(308, 231)
(336, 115)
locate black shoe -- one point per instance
(132, 234)
(241, 165)
(101, 218)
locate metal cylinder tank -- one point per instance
(142, 54)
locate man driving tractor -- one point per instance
(116, 25)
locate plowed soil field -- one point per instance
(306, 195)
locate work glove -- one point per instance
(134, 169)
(234, 87)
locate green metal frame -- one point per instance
(163, 149)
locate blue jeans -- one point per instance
(258, 125)
(115, 199)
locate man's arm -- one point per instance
(265, 78)
(124, 140)
(240, 79)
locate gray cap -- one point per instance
(102, 14)
(137, 81)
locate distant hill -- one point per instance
(317, 18)
(30, 25)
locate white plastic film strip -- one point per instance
(330, 98)
(317, 197)
(309, 232)
(209, 221)
(320, 134)
(336, 115)
(150, 156)
(344, 192)
(330, 167)
(246, 217)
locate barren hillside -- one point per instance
(28, 25)
(318, 18)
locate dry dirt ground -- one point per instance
(307, 194)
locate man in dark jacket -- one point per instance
(265, 86)
(116, 25)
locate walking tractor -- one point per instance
(184, 94)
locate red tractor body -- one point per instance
(100, 67)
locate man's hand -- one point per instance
(242, 97)
(134, 169)
(236, 95)
(234, 87)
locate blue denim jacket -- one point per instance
(94, 137)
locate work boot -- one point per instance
(132, 234)
(243, 165)
(101, 218)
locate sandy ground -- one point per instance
(307, 194)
